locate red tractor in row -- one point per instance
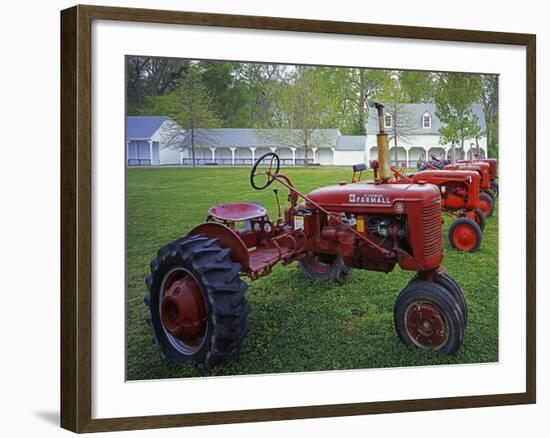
(486, 195)
(493, 172)
(196, 298)
(459, 200)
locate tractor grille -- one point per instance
(431, 227)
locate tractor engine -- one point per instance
(403, 222)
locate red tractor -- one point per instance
(196, 296)
(486, 195)
(493, 172)
(486, 199)
(459, 200)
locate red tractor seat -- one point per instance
(237, 211)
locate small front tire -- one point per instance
(427, 316)
(486, 204)
(465, 235)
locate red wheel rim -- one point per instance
(485, 207)
(426, 325)
(183, 311)
(320, 263)
(464, 237)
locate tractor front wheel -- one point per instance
(453, 287)
(465, 235)
(324, 267)
(427, 316)
(486, 204)
(479, 218)
(196, 303)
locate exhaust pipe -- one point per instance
(382, 146)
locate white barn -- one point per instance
(153, 140)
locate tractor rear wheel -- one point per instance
(465, 235)
(479, 218)
(490, 193)
(196, 303)
(486, 204)
(494, 188)
(453, 287)
(427, 316)
(318, 266)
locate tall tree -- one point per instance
(400, 117)
(190, 106)
(455, 95)
(489, 101)
(362, 85)
(417, 86)
(148, 77)
(303, 110)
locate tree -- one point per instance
(303, 109)
(489, 102)
(190, 106)
(416, 86)
(454, 97)
(148, 77)
(402, 120)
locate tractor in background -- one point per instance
(459, 201)
(196, 297)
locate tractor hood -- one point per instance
(368, 194)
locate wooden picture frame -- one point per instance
(76, 217)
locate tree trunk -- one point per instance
(193, 145)
(395, 138)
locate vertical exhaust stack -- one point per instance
(382, 146)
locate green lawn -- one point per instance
(295, 325)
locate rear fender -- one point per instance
(227, 238)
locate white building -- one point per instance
(422, 139)
(155, 140)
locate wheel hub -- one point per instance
(425, 325)
(464, 237)
(183, 311)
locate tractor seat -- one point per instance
(237, 211)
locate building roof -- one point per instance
(415, 112)
(244, 137)
(351, 143)
(143, 127)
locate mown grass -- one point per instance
(295, 325)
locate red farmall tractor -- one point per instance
(196, 296)
(459, 200)
(486, 195)
(486, 198)
(493, 172)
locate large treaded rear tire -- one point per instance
(319, 267)
(223, 292)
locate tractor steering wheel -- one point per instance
(272, 162)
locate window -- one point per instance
(426, 120)
(388, 122)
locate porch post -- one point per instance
(314, 150)
(150, 151)
(213, 150)
(253, 150)
(232, 155)
(407, 157)
(293, 156)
